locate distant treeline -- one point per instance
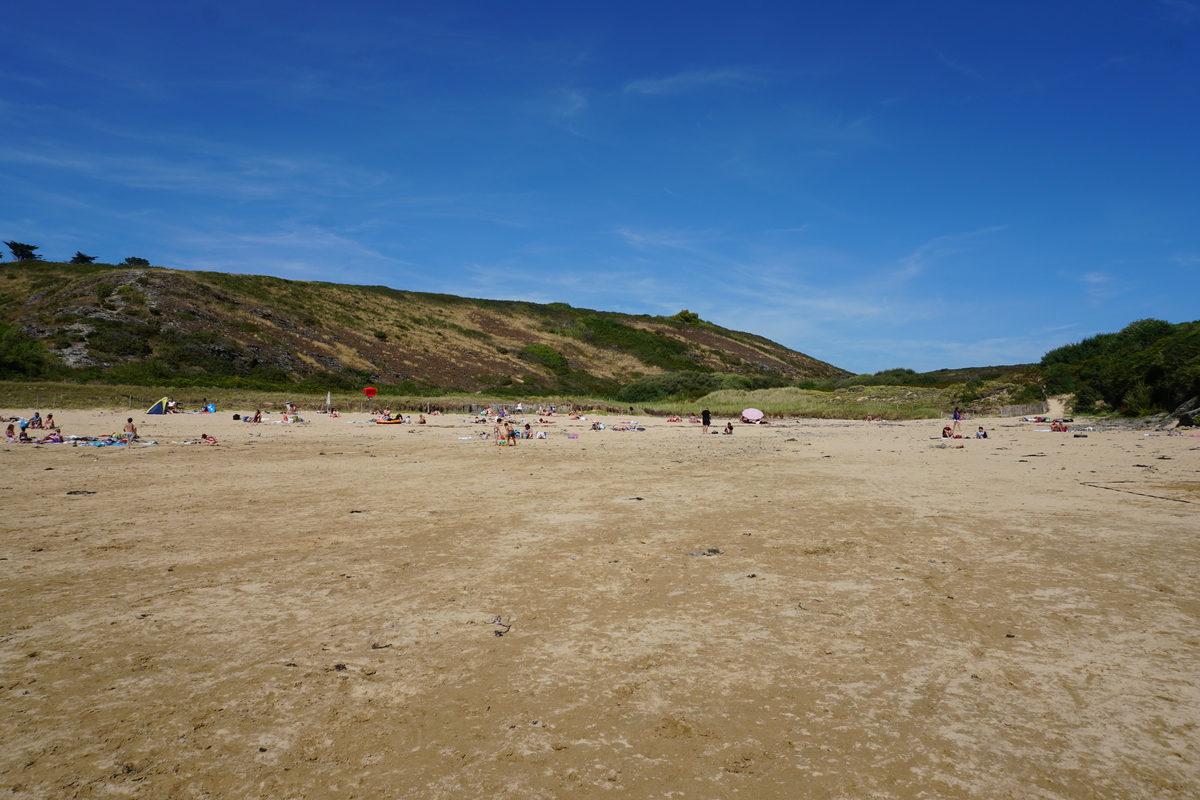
(1149, 366)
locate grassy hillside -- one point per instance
(151, 326)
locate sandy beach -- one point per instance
(807, 609)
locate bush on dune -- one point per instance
(1150, 365)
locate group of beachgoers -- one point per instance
(18, 431)
(19, 428)
(948, 433)
(953, 431)
(506, 433)
(400, 416)
(542, 411)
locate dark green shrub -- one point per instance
(683, 385)
(21, 357)
(548, 357)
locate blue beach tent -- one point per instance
(159, 408)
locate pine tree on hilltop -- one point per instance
(23, 252)
(80, 258)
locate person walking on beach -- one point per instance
(130, 430)
(705, 420)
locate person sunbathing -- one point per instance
(420, 419)
(947, 432)
(206, 439)
(1059, 426)
(54, 437)
(10, 435)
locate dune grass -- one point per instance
(890, 402)
(28, 397)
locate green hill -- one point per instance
(154, 326)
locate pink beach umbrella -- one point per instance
(752, 413)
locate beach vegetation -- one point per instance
(790, 401)
(21, 356)
(1149, 366)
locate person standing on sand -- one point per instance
(705, 420)
(957, 420)
(130, 430)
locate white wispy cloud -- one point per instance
(690, 241)
(293, 250)
(937, 248)
(959, 67)
(687, 81)
(245, 176)
(572, 102)
(1099, 285)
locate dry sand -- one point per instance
(305, 611)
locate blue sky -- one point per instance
(877, 184)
